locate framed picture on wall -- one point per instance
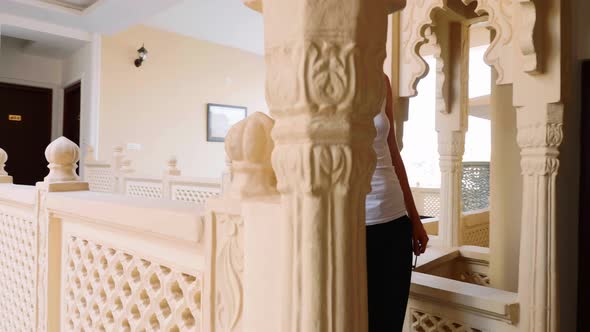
(220, 118)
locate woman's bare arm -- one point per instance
(419, 235)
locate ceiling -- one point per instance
(73, 4)
(101, 16)
(226, 22)
(41, 43)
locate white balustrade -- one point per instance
(119, 177)
(18, 258)
(427, 201)
(72, 259)
(474, 228)
(450, 292)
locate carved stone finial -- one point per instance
(3, 159)
(172, 169)
(249, 147)
(62, 155)
(126, 166)
(4, 177)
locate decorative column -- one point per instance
(451, 122)
(4, 177)
(539, 140)
(62, 155)
(451, 146)
(324, 63)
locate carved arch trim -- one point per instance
(417, 19)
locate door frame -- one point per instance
(56, 101)
(68, 85)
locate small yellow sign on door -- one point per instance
(14, 117)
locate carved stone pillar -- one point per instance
(451, 146)
(451, 122)
(539, 142)
(324, 64)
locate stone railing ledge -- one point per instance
(171, 220)
(17, 194)
(485, 301)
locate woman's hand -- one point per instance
(419, 237)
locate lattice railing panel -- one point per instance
(100, 179)
(432, 204)
(144, 189)
(18, 272)
(110, 290)
(192, 194)
(475, 186)
(425, 322)
(478, 235)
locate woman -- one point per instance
(394, 229)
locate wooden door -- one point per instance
(25, 130)
(584, 211)
(71, 123)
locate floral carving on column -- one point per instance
(329, 68)
(229, 271)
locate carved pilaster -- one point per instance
(539, 143)
(451, 146)
(324, 86)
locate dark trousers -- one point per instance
(389, 269)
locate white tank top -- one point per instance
(385, 202)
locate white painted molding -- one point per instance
(37, 25)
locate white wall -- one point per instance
(17, 67)
(84, 66)
(162, 104)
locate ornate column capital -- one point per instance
(539, 148)
(451, 143)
